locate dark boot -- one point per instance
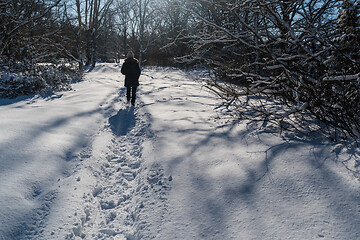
(128, 96)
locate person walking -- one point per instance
(131, 70)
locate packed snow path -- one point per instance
(85, 165)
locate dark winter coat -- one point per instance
(132, 72)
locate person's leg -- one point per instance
(133, 95)
(128, 97)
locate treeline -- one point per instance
(87, 31)
(45, 44)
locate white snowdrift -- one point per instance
(84, 164)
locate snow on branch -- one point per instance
(280, 54)
(343, 78)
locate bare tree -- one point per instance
(144, 14)
(79, 35)
(126, 22)
(94, 15)
(22, 25)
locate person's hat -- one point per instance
(130, 54)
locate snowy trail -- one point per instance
(234, 182)
(85, 165)
(41, 137)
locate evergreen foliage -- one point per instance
(345, 56)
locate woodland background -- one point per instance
(290, 64)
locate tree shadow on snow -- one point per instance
(38, 213)
(123, 121)
(273, 160)
(31, 98)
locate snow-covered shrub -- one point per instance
(22, 79)
(13, 85)
(271, 62)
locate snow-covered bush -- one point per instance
(271, 62)
(12, 85)
(31, 33)
(21, 79)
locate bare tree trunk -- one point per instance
(144, 15)
(79, 36)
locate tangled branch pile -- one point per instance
(295, 64)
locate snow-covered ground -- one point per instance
(85, 164)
